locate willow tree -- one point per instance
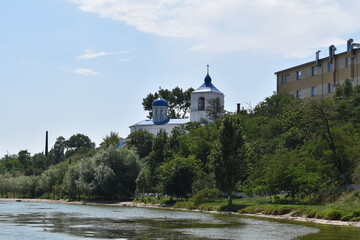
(228, 155)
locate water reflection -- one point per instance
(82, 226)
(64, 221)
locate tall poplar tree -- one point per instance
(228, 155)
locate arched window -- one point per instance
(201, 104)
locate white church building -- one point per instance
(198, 110)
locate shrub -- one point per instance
(332, 214)
(297, 213)
(310, 213)
(186, 205)
(353, 216)
(346, 218)
(232, 207)
(282, 211)
(206, 207)
(355, 219)
(206, 195)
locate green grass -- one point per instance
(346, 208)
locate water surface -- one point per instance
(22, 220)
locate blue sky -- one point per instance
(83, 66)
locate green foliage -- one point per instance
(142, 140)
(285, 150)
(177, 176)
(228, 155)
(179, 101)
(108, 173)
(198, 142)
(57, 153)
(110, 140)
(215, 109)
(206, 195)
(331, 214)
(185, 205)
(344, 90)
(78, 143)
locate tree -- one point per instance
(142, 141)
(177, 176)
(228, 155)
(38, 164)
(110, 140)
(59, 149)
(110, 172)
(198, 142)
(78, 143)
(157, 155)
(24, 159)
(344, 90)
(215, 109)
(333, 135)
(179, 101)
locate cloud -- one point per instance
(85, 72)
(90, 54)
(293, 28)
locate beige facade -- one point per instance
(318, 79)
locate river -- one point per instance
(24, 220)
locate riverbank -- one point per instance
(287, 216)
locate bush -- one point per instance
(206, 207)
(310, 214)
(186, 205)
(297, 213)
(232, 207)
(332, 214)
(281, 211)
(353, 216)
(355, 219)
(346, 218)
(206, 195)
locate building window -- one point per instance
(314, 71)
(297, 94)
(201, 104)
(313, 91)
(330, 66)
(298, 75)
(347, 61)
(330, 88)
(284, 78)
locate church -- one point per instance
(198, 110)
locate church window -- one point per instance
(201, 104)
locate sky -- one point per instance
(84, 66)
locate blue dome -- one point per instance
(160, 102)
(207, 79)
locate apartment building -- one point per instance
(318, 79)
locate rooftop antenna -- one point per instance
(208, 69)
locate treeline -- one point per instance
(306, 150)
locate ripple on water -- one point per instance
(77, 222)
